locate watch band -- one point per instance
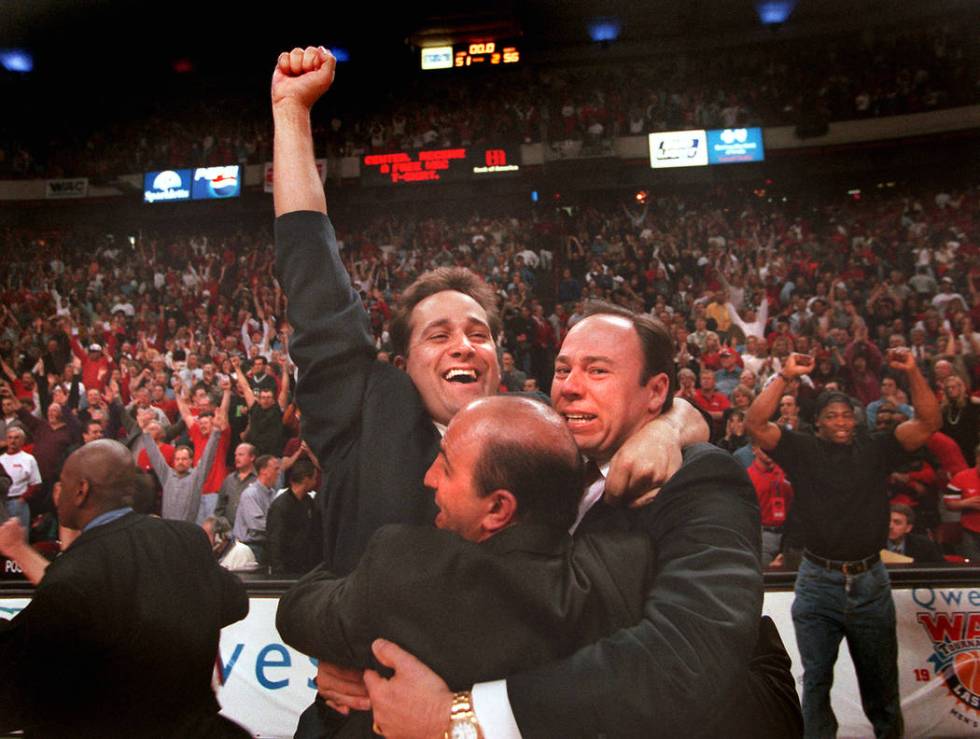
(462, 719)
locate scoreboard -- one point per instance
(479, 54)
(462, 164)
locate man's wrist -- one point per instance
(463, 723)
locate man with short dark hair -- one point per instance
(357, 411)
(265, 429)
(237, 480)
(841, 519)
(130, 613)
(183, 483)
(290, 525)
(250, 519)
(901, 540)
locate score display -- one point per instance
(484, 53)
(439, 165)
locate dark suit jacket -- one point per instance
(363, 419)
(121, 636)
(922, 549)
(471, 612)
(699, 630)
(368, 426)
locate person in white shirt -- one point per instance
(24, 475)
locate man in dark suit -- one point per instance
(613, 374)
(121, 634)
(902, 541)
(507, 484)
(357, 411)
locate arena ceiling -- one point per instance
(122, 33)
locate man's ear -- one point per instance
(501, 511)
(400, 362)
(658, 386)
(83, 494)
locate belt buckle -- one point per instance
(854, 568)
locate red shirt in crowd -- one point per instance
(774, 491)
(143, 459)
(718, 402)
(967, 484)
(219, 470)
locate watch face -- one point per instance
(464, 730)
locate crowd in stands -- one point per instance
(876, 72)
(178, 344)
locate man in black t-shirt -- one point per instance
(841, 515)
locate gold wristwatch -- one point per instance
(462, 719)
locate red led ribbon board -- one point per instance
(439, 165)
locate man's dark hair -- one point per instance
(905, 510)
(186, 448)
(439, 280)
(263, 461)
(655, 339)
(302, 469)
(547, 484)
(829, 398)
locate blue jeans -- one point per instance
(830, 606)
(19, 509)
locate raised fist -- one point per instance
(302, 76)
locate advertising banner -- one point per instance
(167, 186)
(76, 187)
(678, 149)
(735, 145)
(264, 685)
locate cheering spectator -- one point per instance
(182, 485)
(265, 430)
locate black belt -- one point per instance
(773, 529)
(852, 567)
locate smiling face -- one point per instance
(836, 423)
(451, 355)
(597, 386)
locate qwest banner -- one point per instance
(264, 685)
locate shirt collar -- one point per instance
(592, 494)
(107, 517)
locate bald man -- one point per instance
(500, 585)
(121, 635)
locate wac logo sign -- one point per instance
(955, 640)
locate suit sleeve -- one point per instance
(328, 617)
(700, 621)
(331, 345)
(38, 637)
